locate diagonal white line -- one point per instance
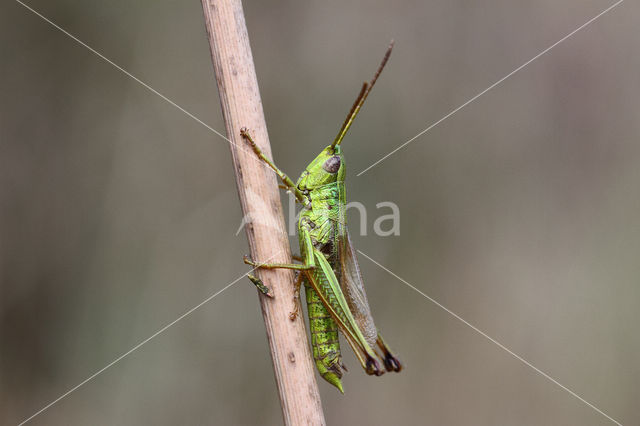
(491, 339)
(94, 375)
(124, 71)
(128, 74)
(492, 86)
(136, 347)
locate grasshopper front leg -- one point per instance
(288, 183)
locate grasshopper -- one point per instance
(336, 299)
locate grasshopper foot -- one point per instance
(248, 261)
(260, 285)
(391, 363)
(294, 314)
(373, 369)
(244, 132)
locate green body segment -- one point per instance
(317, 224)
(324, 340)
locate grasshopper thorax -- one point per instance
(327, 168)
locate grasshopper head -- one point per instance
(328, 167)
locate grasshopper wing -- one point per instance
(353, 290)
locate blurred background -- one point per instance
(521, 213)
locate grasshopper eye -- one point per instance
(332, 165)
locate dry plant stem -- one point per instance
(257, 187)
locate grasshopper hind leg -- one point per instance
(391, 362)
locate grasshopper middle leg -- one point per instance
(296, 296)
(300, 269)
(294, 266)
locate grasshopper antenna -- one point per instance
(364, 92)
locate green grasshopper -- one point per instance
(335, 293)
